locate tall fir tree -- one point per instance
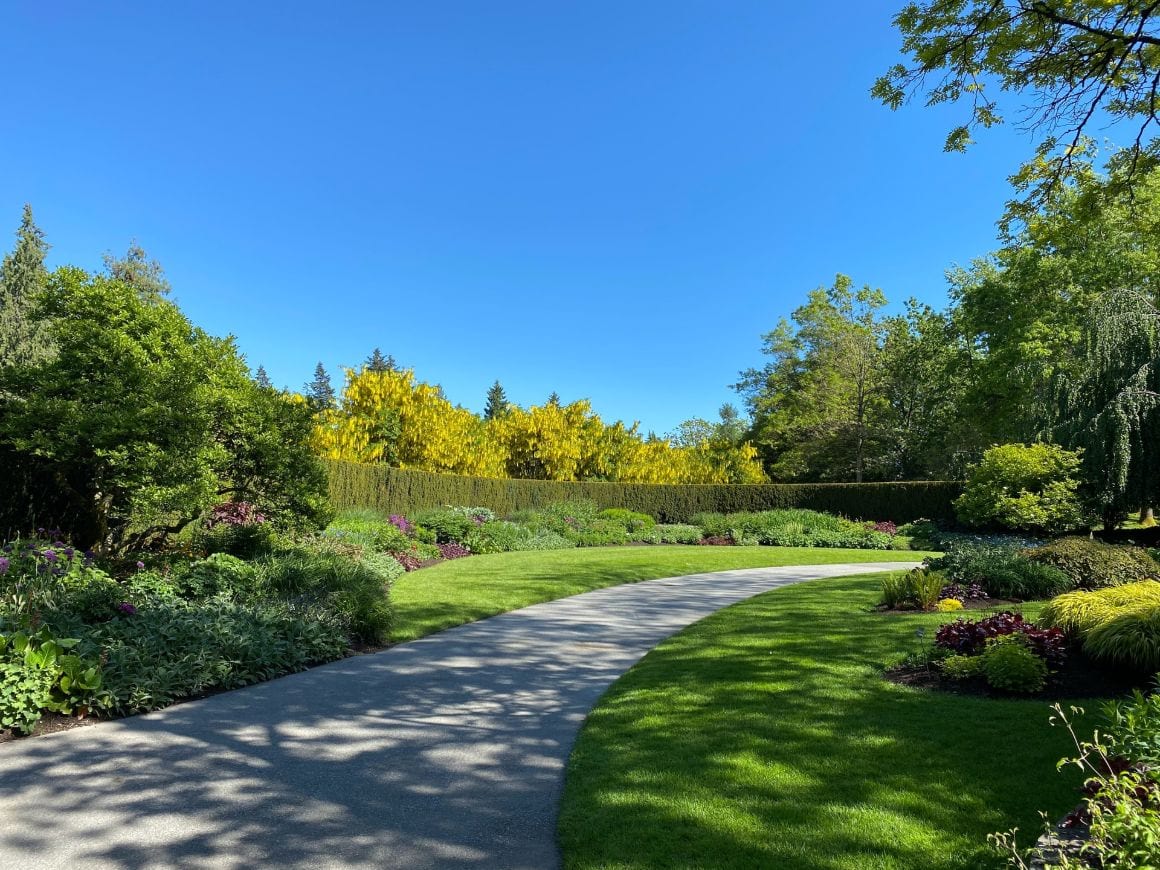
(139, 272)
(24, 336)
(376, 362)
(320, 392)
(263, 379)
(497, 402)
(554, 399)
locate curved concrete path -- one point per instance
(445, 752)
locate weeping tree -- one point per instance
(1110, 405)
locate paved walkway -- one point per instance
(445, 752)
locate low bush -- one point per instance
(216, 573)
(1130, 638)
(630, 520)
(1001, 570)
(948, 605)
(920, 588)
(1076, 613)
(960, 667)
(599, 533)
(678, 534)
(449, 524)
(793, 528)
(175, 649)
(969, 637)
(1092, 564)
(356, 590)
(1009, 664)
(963, 594)
(38, 673)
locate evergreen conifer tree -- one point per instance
(319, 391)
(24, 336)
(263, 379)
(376, 362)
(554, 399)
(139, 272)
(497, 402)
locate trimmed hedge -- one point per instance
(402, 491)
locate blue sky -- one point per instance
(610, 200)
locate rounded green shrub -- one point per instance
(1130, 638)
(449, 525)
(631, 520)
(1010, 666)
(961, 667)
(1025, 487)
(1095, 565)
(1077, 613)
(218, 572)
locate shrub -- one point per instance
(948, 605)
(1093, 564)
(1001, 570)
(973, 592)
(716, 541)
(176, 649)
(478, 515)
(793, 528)
(448, 524)
(1133, 728)
(1011, 666)
(402, 524)
(1130, 637)
(600, 533)
(1077, 613)
(1027, 487)
(217, 573)
(244, 540)
(678, 534)
(895, 590)
(960, 667)
(356, 590)
(499, 537)
(968, 637)
(38, 576)
(453, 551)
(631, 520)
(38, 673)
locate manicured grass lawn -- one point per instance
(465, 590)
(764, 736)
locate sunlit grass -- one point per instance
(764, 736)
(465, 590)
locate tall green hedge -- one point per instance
(395, 490)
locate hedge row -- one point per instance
(395, 490)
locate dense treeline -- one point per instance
(1051, 337)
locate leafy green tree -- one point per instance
(319, 391)
(497, 402)
(1072, 63)
(24, 338)
(142, 421)
(262, 379)
(1110, 404)
(138, 271)
(376, 362)
(818, 405)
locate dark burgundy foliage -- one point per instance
(409, 561)
(967, 637)
(235, 513)
(886, 527)
(454, 551)
(716, 541)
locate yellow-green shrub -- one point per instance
(1077, 613)
(1130, 637)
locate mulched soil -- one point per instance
(1079, 677)
(49, 723)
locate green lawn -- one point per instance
(764, 736)
(464, 590)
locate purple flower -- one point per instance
(140, 566)
(68, 552)
(49, 555)
(126, 608)
(4, 563)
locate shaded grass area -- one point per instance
(764, 736)
(464, 590)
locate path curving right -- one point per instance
(445, 752)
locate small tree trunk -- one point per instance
(1146, 517)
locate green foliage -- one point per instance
(177, 649)
(1128, 637)
(497, 402)
(217, 573)
(958, 667)
(599, 533)
(498, 537)
(1002, 570)
(919, 588)
(320, 392)
(24, 337)
(358, 590)
(401, 491)
(633, 521)
(140, 420)
(677, 533)
(792, 528)
(38, 673)
(1023, 487)
(448, 524)
(1011, 666)
(1133, 728)
(1093, 564)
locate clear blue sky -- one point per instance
(612, 200)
